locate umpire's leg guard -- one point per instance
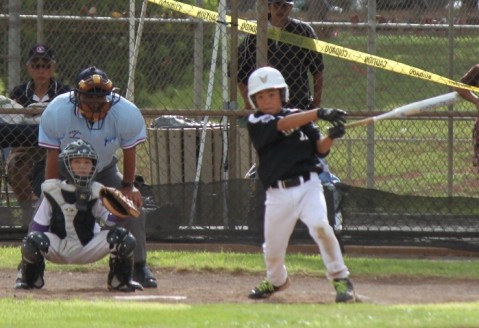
(122, 244)
(31, 269)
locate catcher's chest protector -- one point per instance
(67, 221)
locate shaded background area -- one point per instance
(232, 212)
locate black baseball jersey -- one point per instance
(23, 94)
(283, 154)
(292, 61)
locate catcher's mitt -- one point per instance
(117, 203)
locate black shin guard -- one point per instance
(122, 244)
(31, 269)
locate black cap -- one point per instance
(87, 73)
(291, 2)
(93, 80)
(41, 51)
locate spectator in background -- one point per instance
(293, 62)
(472, 78)
(38, 91)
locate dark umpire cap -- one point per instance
(93, 80)
(291, 2)
(41, 51)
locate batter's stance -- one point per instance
(288, 144)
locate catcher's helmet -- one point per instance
(94, 96)
(77, 149)
(266, 78)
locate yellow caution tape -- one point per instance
(315, 45)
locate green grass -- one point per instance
(100, 313)
(71, 314)
(109, 313)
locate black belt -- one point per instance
(291, 182)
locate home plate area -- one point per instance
(195, 287)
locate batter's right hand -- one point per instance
(333, 115)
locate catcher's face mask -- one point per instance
(72, 164)
(93, 100)
(94, 96)
(82, 166)
(94, 108)
(78, 152)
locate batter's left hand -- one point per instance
(337, 131)
(133, 194)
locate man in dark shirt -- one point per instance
(295, 63)
(38, 91)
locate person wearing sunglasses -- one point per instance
(39, 90)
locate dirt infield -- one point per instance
(216, 287)
(209, 287)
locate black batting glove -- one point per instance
(337, 131)
(333, 115)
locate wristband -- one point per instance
(126, 184)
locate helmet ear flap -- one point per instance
(284, 95)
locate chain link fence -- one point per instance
(178, 67)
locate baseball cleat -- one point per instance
(344, 291)
(127, 287)
(21, 285)
(143, 275)
(265, 289)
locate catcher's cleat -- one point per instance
(22, 282)
(21, 285)
(115, 285)
(344, 291)
(143, 275)
(265, 289)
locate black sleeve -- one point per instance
(316, 58)
(263, 130)
(246, 58)
(312, 131)
(19, 94)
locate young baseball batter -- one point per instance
(288, 144)
(65, 230)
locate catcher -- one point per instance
(65, 228)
